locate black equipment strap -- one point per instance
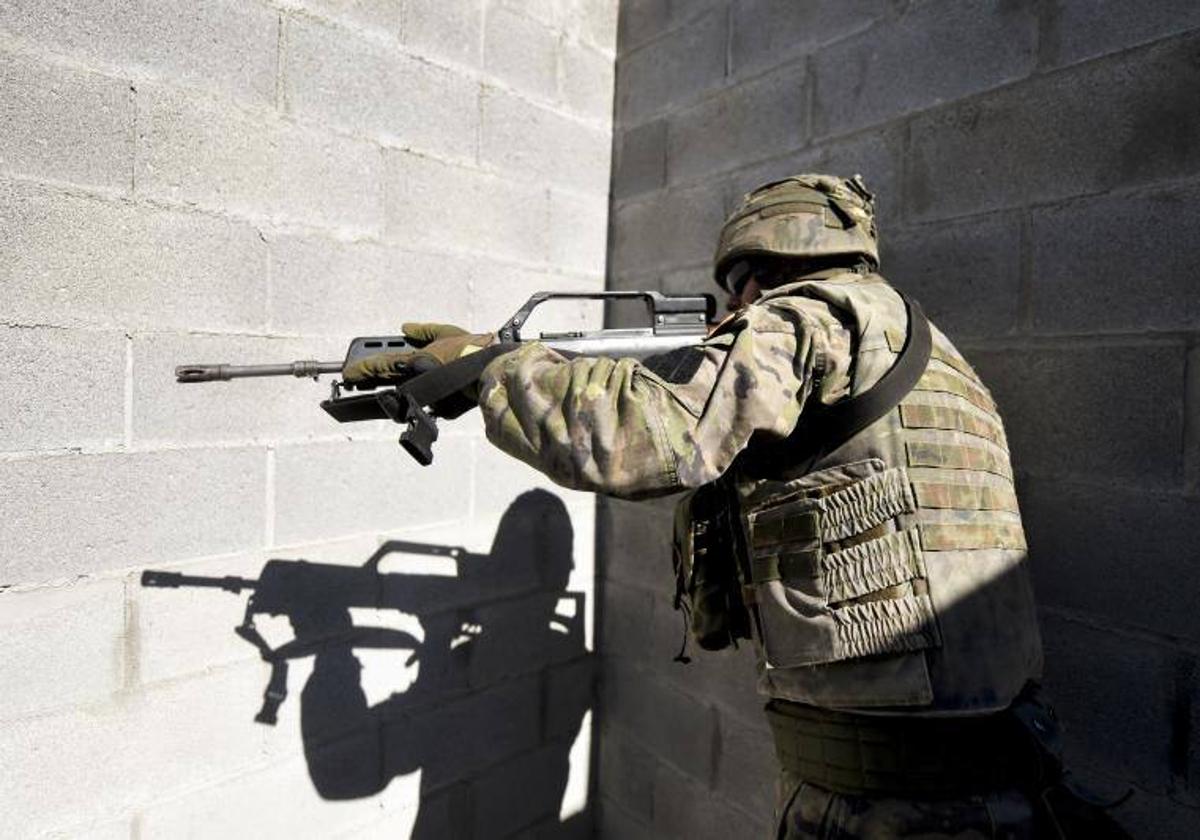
(435, 385)
(822, 430)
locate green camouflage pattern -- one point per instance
(807, 812)
(804, 216)
(616, 427)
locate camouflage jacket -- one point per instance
(632, 429)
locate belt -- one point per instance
(901, 755)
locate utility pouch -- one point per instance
(707, 585)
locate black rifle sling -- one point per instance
(822, 430)
(447, 380)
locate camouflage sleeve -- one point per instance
(616, 426)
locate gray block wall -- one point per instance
(1038, 173)
(246, 180)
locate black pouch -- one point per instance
(707, 585)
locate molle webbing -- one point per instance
(872, 566)
(891, 625)
(895, 340)
(900, 755)
(952, 382)
(947, 495)
(865, 504)
(971, 535)
(957, 456)
(951, 419)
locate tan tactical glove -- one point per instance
(437, 344)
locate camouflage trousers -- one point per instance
(807, 812)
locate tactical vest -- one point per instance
(892, 572)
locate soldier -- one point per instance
(882, 574)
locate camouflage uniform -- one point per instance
(888, 577)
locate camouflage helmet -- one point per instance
(805, 215)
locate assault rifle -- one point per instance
(317, 598)
(675, 322)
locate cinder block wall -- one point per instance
(1038, 172)
(260, 180)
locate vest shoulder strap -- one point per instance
(822, 430)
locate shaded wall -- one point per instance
(1038, 172)
(260, 180)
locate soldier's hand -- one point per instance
(436, 345)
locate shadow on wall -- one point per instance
(501, 680)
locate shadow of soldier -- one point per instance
(503, 683)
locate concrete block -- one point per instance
(201, 152)
(640, 163)
(1129, 546)
(696, 280)
(579, 236)
(443, 29)
(746, 765)
(1049, 139)
(376, 91)
(966, 274)
(670, 229)
(543, 11)
(435, 205)
(127, 510)
(588, 79)
(226, 45)
(542, 144)
(64, 764)
(684, 807)
(524, 635)
(65, 125)
(1076, 30)
(521, 791)
(79, 261)
(1084, 253)
(676, 728)
(324, 490)
(1095, 679)
(627, 616)
(615, 821)
(634, 544)
(769, 32)
(928, 55)
(499, 290)
(626, 773)
(1112, 413)
(876, 155)
(595, 24)
(238, 805)
(345, 289)
(384, 19)
(67, 387)
(684, 64)
(186, 631)
(501, 481)
(521, 51)
(759, 119)
(569, 691)
(66, 647)
(463, 736)
(723, 679)
(247, 411)
(1157, 816)
(1191, 425)
(639, 21)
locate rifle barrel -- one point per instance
(174, 580)
(223, 373)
